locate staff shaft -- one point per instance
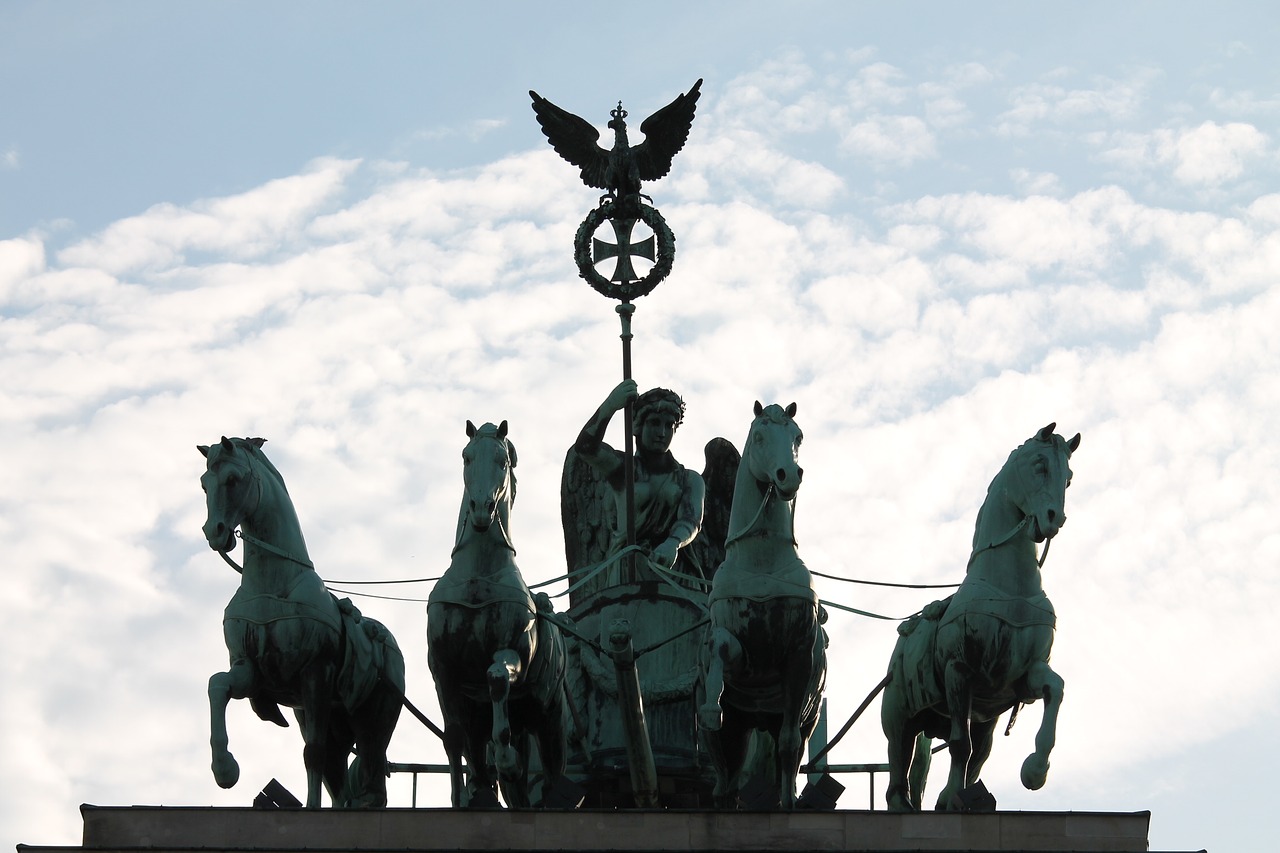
(625, 310)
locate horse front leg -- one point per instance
(798, 682)
(1049, 685)
(236, 683)
(960, 742)
(504, 672)
(723, 655)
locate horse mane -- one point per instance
(772, 413)
(253, 446)
(491, 431)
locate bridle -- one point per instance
(1003, 540)
(241, 512)
(502, 495)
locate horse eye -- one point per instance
(233, 481)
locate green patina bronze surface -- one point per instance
(498, 668)
(668, 497)
(658, 588)
(292, 643)
(620, 171)
(764, 665)
(966, 660)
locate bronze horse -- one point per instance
(499, 669)
(964, 661)
(292, 643)
(765, 661)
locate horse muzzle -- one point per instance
(786, 482)
(1046, 525)
(220, 537)
(482, 513)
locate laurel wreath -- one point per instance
(624, 292)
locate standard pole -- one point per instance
(625, 310)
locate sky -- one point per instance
(936, 229)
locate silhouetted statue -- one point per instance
(966, 660)
(292, 642)
(765, 662)
(498, 668)
(619, 169)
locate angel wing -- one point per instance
(574, 139)
(719, 476)
(665, 133)
(586, 504)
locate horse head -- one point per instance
(488, 475)
(1035, 479)
(231, 487)
(771, 449)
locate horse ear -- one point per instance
(471, 430)
(258, 442)
(204, 450)
(1047, 433)
(227, 445)
(502, 429)
(1074, 443)
(791, 410)
(759, 409)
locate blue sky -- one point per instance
(935, 229)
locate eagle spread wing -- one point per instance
(574, 139)
(665, 133)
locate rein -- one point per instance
(1004, 540)
(253, 540)
(507, 498)
(770, 492)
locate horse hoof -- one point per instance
(897, 801)
(226, 772)
(506, 760)
(710, 718)
(1035, 770)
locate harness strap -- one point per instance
(279, 552)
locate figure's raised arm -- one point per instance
(590, 444)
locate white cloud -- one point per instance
(1208, 155)
(1211, 153)
(900, 140)
(1036, 183)
(1056, 104)
(242, 226)
(356, 315)
(473, 130)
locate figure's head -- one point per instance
(657, 415)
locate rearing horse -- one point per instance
(499, 669)
(291, 642)
(765, 662)
(966, 660)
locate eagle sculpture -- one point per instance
(621, 169)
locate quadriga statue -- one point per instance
(966, 660)
(498, 668)
(765, 661)
(292, 642)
